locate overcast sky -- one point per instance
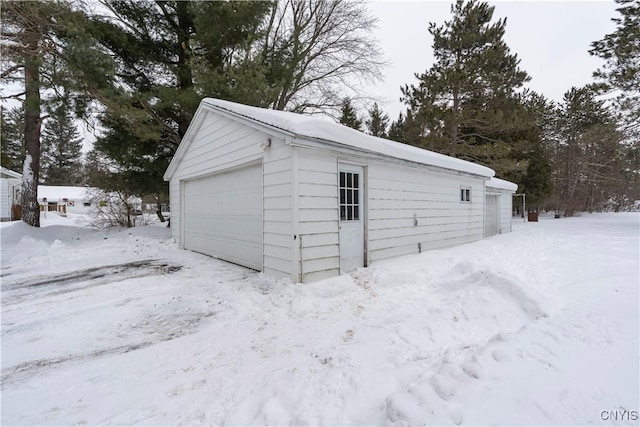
(551, 38)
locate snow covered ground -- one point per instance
(536, 327)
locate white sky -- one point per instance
(551, 38)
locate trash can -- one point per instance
(532, 217)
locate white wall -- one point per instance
(505, 200)
(394, 193)
(506, 211)
(221, 144)
(5, 200)
(397, 193)
(318, 214)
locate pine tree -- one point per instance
(465, 104)
(349, 116)
(396, 129)
(42, 43)
(169, 55)
(61, 161)
(621, 52)
(26, 29)
(588, 152)
(377, 122)
(12, 138)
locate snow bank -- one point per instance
(539, 326)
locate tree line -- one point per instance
(579, 154)
(137, 70)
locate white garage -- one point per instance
(223, 215)
(306, 198)
(498, 206)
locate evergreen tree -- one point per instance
(169, 55)
(12, 138)
(26, 29)
(349, 117)
(587, 163)
(44, 46)
(377, 122)
(536, 182)
(61, 161)
(396, 129)
(465, 104)
(621, 52)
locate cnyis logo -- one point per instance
(619, 415)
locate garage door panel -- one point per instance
(223, 216)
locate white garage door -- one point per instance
(491, 216)
(223, 216)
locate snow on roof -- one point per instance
(55, 193)
(502, 184)
(323, 129)
(8, 173)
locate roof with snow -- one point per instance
(322, 129)
(8, 173)
(501, 184)
(55, 193)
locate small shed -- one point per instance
(306, 198)
(10, 184)
(498, 206)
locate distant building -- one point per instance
(10, 185)
(63, 199)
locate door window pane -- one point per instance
(349, 196)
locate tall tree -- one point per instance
(169, 55)
(26, 37)
(315, 50)
(378, 122)
(465, 104)
(12, 138)
(588, 153)
(61, 150)
(536, 182)
(621, 53)
(349, 116)
(43, 49)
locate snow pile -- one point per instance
(539, 326)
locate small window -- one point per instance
(465, 194)
(349, 197)
(86, 204)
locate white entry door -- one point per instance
(491, 215)
(351, 211)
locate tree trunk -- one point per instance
(159, 209)
(31, 167)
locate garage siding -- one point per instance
(318, 215)
(278, 210)
(506, 212)
(398, 194)
(220, 144)
(5, 200)
(505, 199)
